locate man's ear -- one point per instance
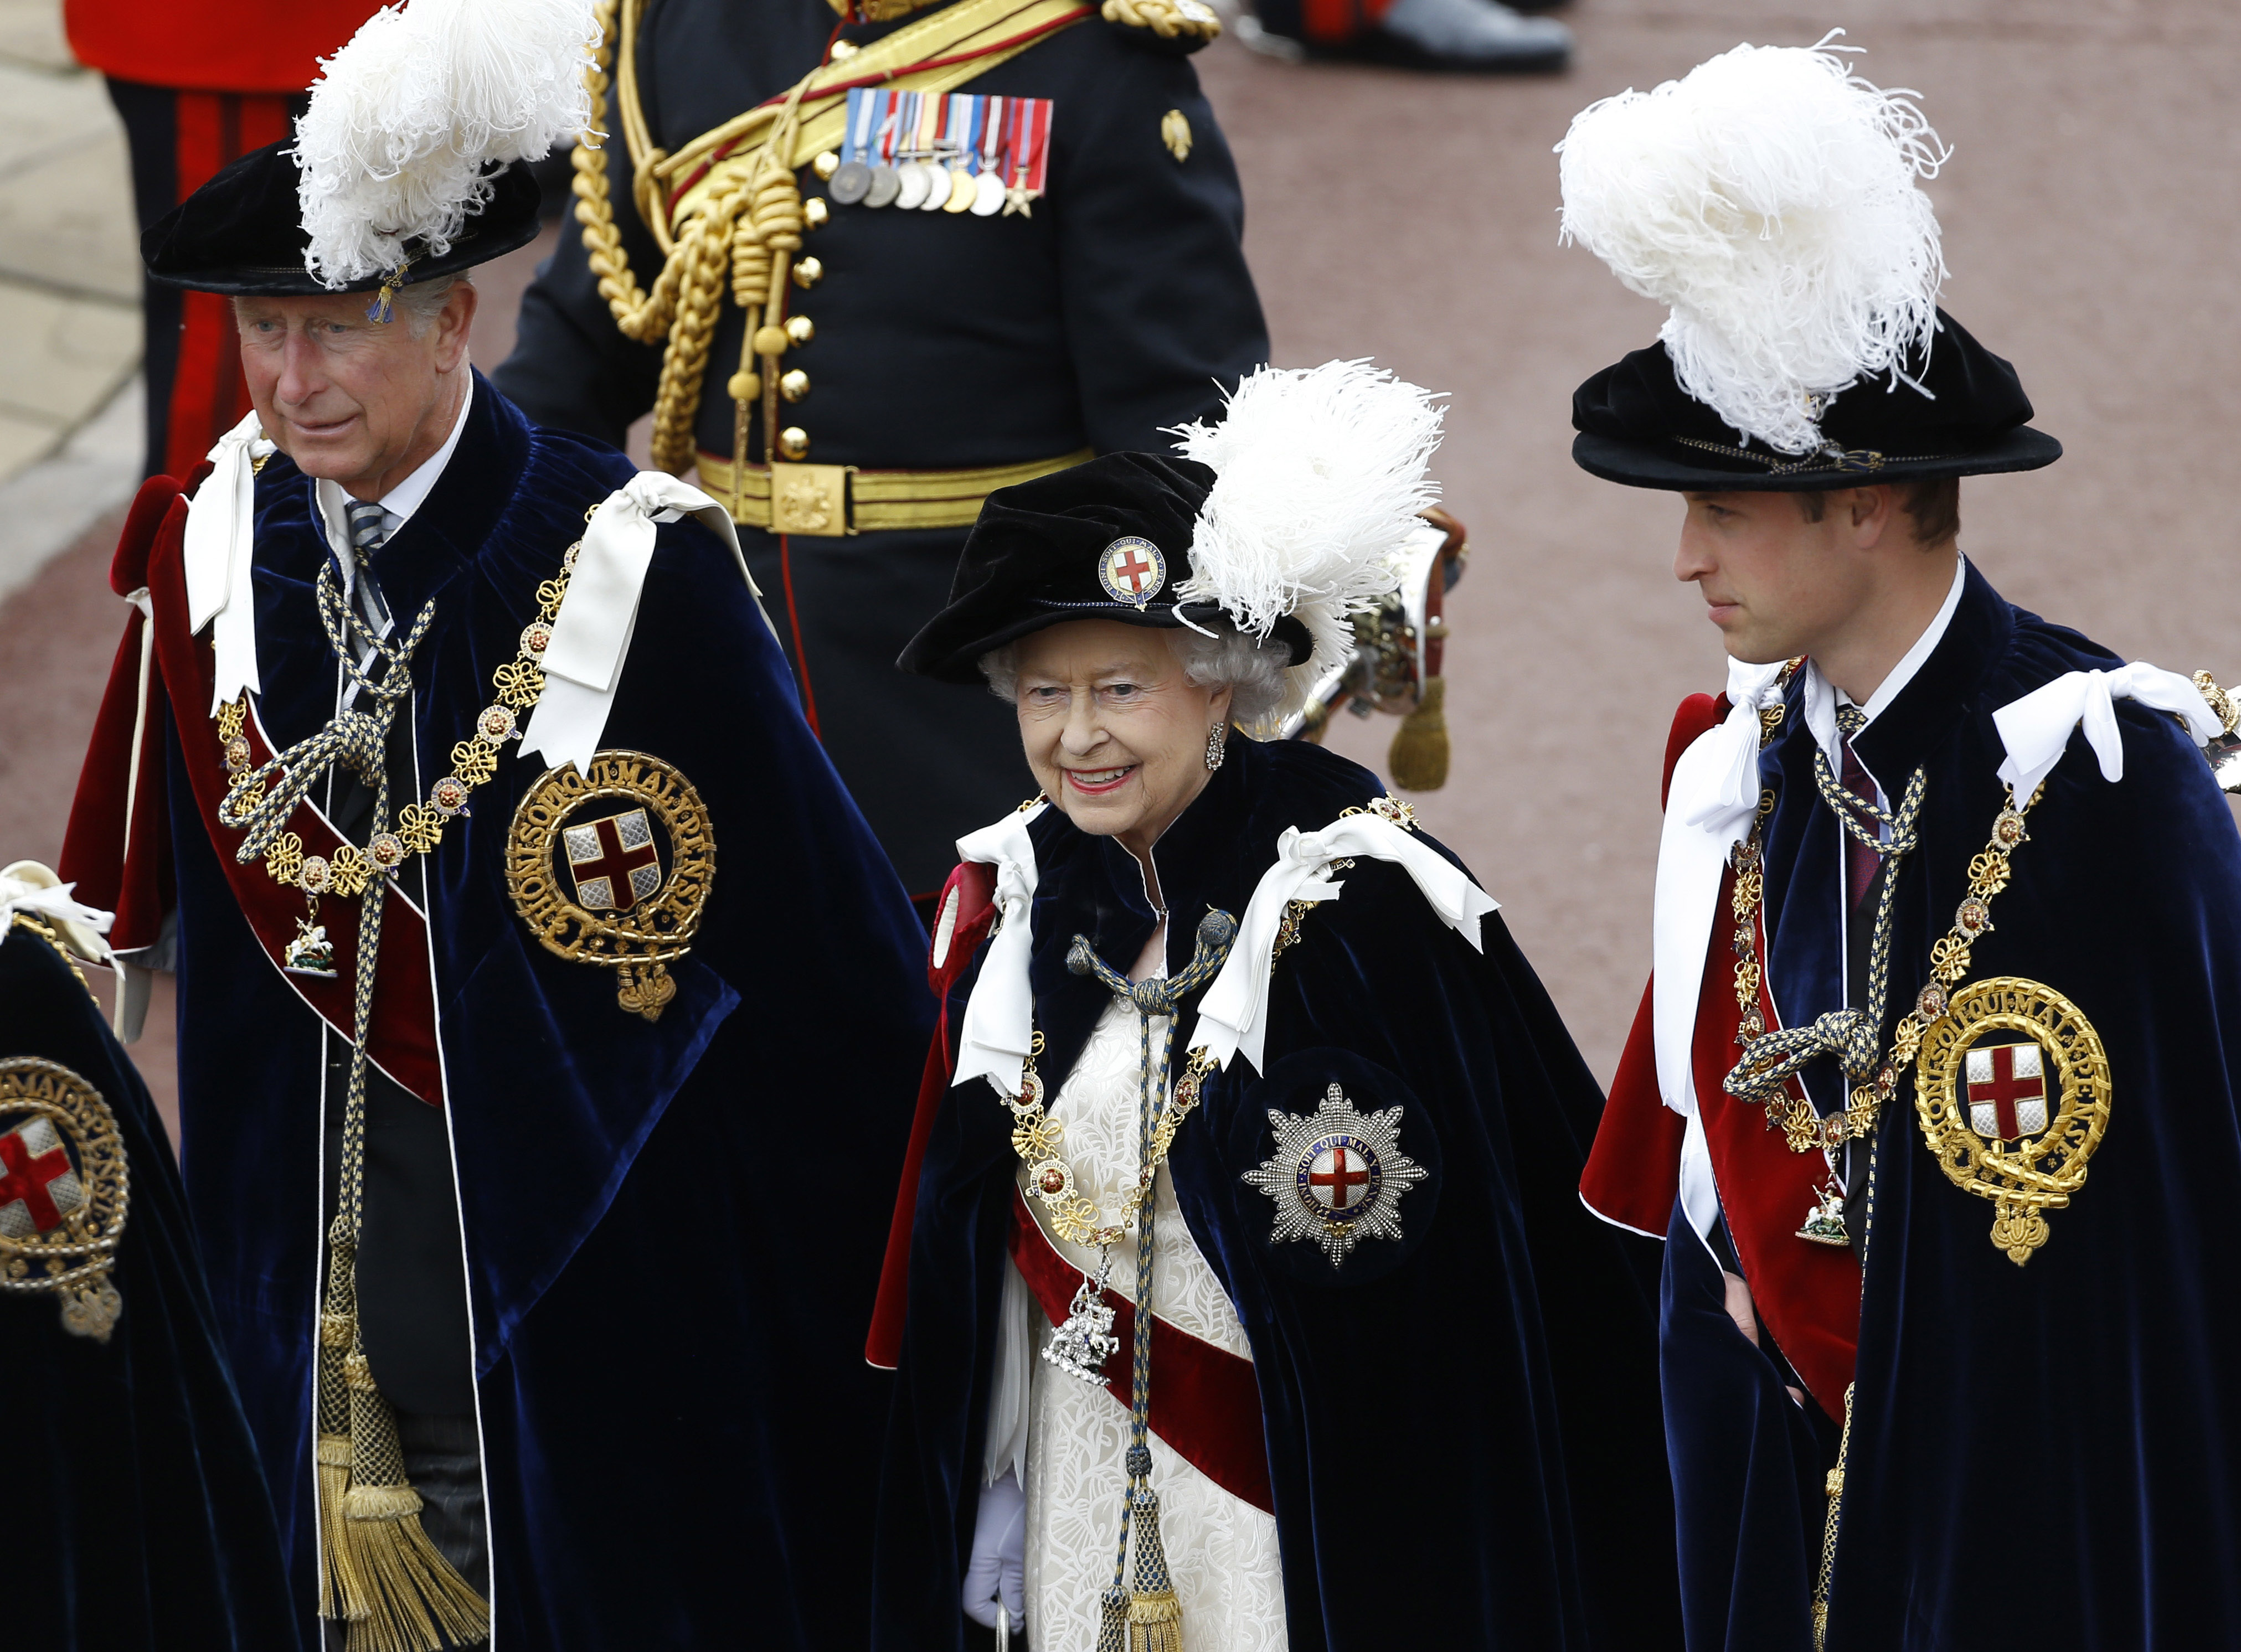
(1874, 512)
(454, 323)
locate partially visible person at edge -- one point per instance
(152, 1528)
(1932, 1090)
(1484, 37)
(1361, 1365)
(520, 924)
(197, 83)
(1085, 287)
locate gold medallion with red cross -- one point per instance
(1337, 1176)
(64, 1189)
(614, 868)
(2012, 1090)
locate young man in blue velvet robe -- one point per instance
(1932, 1091)
(548, 974)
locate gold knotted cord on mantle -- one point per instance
(727, 206)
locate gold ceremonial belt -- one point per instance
(829, 500)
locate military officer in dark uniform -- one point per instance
(1085, 287)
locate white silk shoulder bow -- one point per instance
(221, 533)
(591, 633)
(1707, 811)
(1000, 1017)
(2036, 729)
(1233, 1016)
(27, 886)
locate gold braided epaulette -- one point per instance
(1190, 24)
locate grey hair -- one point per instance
(423, 301)
(1250, 667)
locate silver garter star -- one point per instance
(1337, 1175)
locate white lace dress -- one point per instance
(1221, 1550)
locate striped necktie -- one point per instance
(366, 535)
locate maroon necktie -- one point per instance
(1860, 861)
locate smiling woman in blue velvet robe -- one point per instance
(1400, 1385)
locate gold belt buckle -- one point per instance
(810, 499)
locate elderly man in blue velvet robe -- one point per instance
(539, 982)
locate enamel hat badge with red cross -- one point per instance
(1337, 1176)
(1133, 570)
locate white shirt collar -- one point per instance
(1821, 698)
(400, 502)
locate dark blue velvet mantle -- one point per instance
(1464, 1444)
(141, 1519)
(2047, 1455)
(667, 1281)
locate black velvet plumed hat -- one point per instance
(242, 233)
(1110, 539)
(408, 165)
(1969, 417)
(1772, 199)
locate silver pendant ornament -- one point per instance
(1337, 1176)
(1080, 1346)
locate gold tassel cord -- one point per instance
(1156, 1616)
(1418, 758)
(413, 1599)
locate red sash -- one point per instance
(1205, 1402)
(129, 857)
(1808, 1293)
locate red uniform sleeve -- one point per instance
(201, 45)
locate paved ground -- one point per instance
(69, 280)
(2089, 211)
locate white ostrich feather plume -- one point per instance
(407, 117)
(1770, 197)
(1319, 478)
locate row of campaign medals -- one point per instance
(961, 152)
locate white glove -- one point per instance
(1000, 1554)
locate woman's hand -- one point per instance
(1000, 1554)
